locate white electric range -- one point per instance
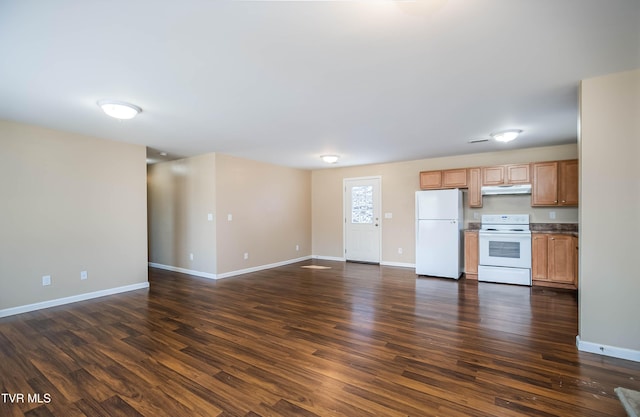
(505, 249)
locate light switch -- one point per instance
(210, 217)
(229, 217)
(388, 215)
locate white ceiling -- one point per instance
(286, 81)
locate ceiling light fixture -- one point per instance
(119, 109)
(330, 159)
(506, 135)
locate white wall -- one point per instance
(609, 213)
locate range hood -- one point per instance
(506, 189)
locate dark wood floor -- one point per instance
(353, 340)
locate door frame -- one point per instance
(346, 206)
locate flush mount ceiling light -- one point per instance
(119, 109)
(330, 159)
(506, 135)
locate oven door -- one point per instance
(505, 249)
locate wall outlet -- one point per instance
(46, 280)
(388, 215)
(399, 251)
(246, 255)
(210, 217)
(191, 256)
(552, 215)
(476, 216)
(84, 275)
(229, 217)
(297, 248)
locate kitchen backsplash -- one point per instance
(518, 204)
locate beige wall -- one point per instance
(400, 181)
(69, 203)
(181, 195)
(610, 204)
(270, 208)
(271, 213)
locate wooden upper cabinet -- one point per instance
(544, 191)
(493, 175)
(506, 174)
(454, 178)
(555, 183)
(568, 183)
(475, 186)
(518, 174)
(430, 180)
(450, 178)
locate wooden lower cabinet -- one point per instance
(553, 260)
(471, 254)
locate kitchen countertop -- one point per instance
(557, 228)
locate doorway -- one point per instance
(362, 225)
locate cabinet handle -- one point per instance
(564, 201)
(553, 238)
(555, 201)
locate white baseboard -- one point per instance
(72, 299)
(261, 267)
(382, 263)
(613, 351)
(399, 264)
(227, 274)
(184, 270)
(329, 258)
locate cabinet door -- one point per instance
(431, 180)
(518, 174)
(493, 175)
(568, 183)
(561, 250)
(475, 188)
(454, 178)
(471, 253)
(539, 257)
(574, 242)
(544, 190)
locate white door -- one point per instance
(362, 219)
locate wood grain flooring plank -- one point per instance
(353, 340)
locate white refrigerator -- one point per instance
(439, 250)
